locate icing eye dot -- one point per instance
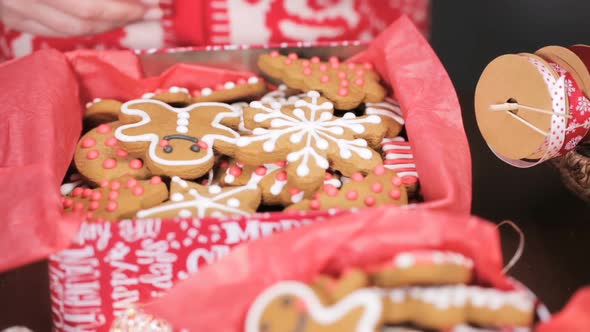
(195, 148)
(109, 163)
(314, 204)
(88, 142)
(370, 201)
(92, 154)
(136, 164)
(168, 149)
(122, 153)
(111, 141)
(138, 191)
(156, 180)
(103, 129)
(395, 194)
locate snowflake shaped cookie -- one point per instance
(311, 139)
(188, 199)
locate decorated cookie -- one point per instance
(381, 186)
(293, 306)
(282, 94)
(116, 199)
(176, 96)
(398, 156)
(273, 181)
(390, 114)
(330, 290)
(443, 307)
(423, 267)
(177, 141)
(188, 199)
(101, 111)
(311, 139)
(75, 180)
(242, 89)
(100, 156)
(346, 84)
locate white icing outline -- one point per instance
(154, 139)
(367, 298)
(389, 108)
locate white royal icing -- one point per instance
(389, 108)
(315, 130)
(365, 298)
(181, 114)
(408, 259)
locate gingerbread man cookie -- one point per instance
(174, 95)
(423, 267)
(311, 139)
(242, 89)
(100, 156)
(381, 186)
(293, 306)
(177, 141)
(189, 199)
(116, 199)
(101, 111)
(346, 84)
(443, 307)
(390, 114)
(331, 290)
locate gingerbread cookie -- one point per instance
(311, 139)
(282, 94)
(100, 156)
(189, 199)
(241, 89)
(447, 306)
(273, 181)
(398, 156)
(178, 141)
(116, 199)
(101, 111)
(381, 186)
(293, 306)
(346, 84)
(330, 290)
(390, 114)
(423, 267)
(174, 95)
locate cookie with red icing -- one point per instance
(189, 199)
(379, 187)
(398, 157)
(177, 141)
(116, 199)
(101, 111)
(239, 90)
(100, 156)
(311, 139)
(347, 85)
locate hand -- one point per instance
(72, 18)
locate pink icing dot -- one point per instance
(324, 79)
(314, 204)
(328, 176)
(113, 195)
(242, 81)
(379, 170)
(357, 177)
(351, 195)
(396, 181)
(97, 195)
(92, 154)
(88, 142)
(77, 192)
(87, 193)
(288, 61)
(333, 59)
(99, 219)
(93, 205)
(343, 92)
(334, 65)
(109, 163)
(115, 185)
(103, 129)
(350, 65)
(341, 75)
(138, 191)
(281, 163)
(112, 206)
(203, 145)
(377, 187)
(78, 207)
(315, 59)
(274, 54)
(305, 63)
(235, 171)
(111, 141)
(122, 153)
(292, 56)
(360, 72)
(294, 191)
(281, 176)
(68, 202)
(331, 190)
(344, 83)
(307, 71)
(136, 164)
(395, 194)
(131, 183)
(323, 67)
(359, 82)
(370, 201)
(89, 216)
(368, 65)
(104, 183)
(223, 164)
(163, 143)
(156, 180)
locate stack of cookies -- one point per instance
(326, 137)
(423, 290)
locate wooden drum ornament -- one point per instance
(533, 107)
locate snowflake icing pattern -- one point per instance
(583, 105)
(319, 129)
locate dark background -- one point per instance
(467, 34)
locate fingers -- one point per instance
(100, 10)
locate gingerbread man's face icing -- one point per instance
(294, 307)
(177, 141)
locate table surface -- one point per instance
(556, 224)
